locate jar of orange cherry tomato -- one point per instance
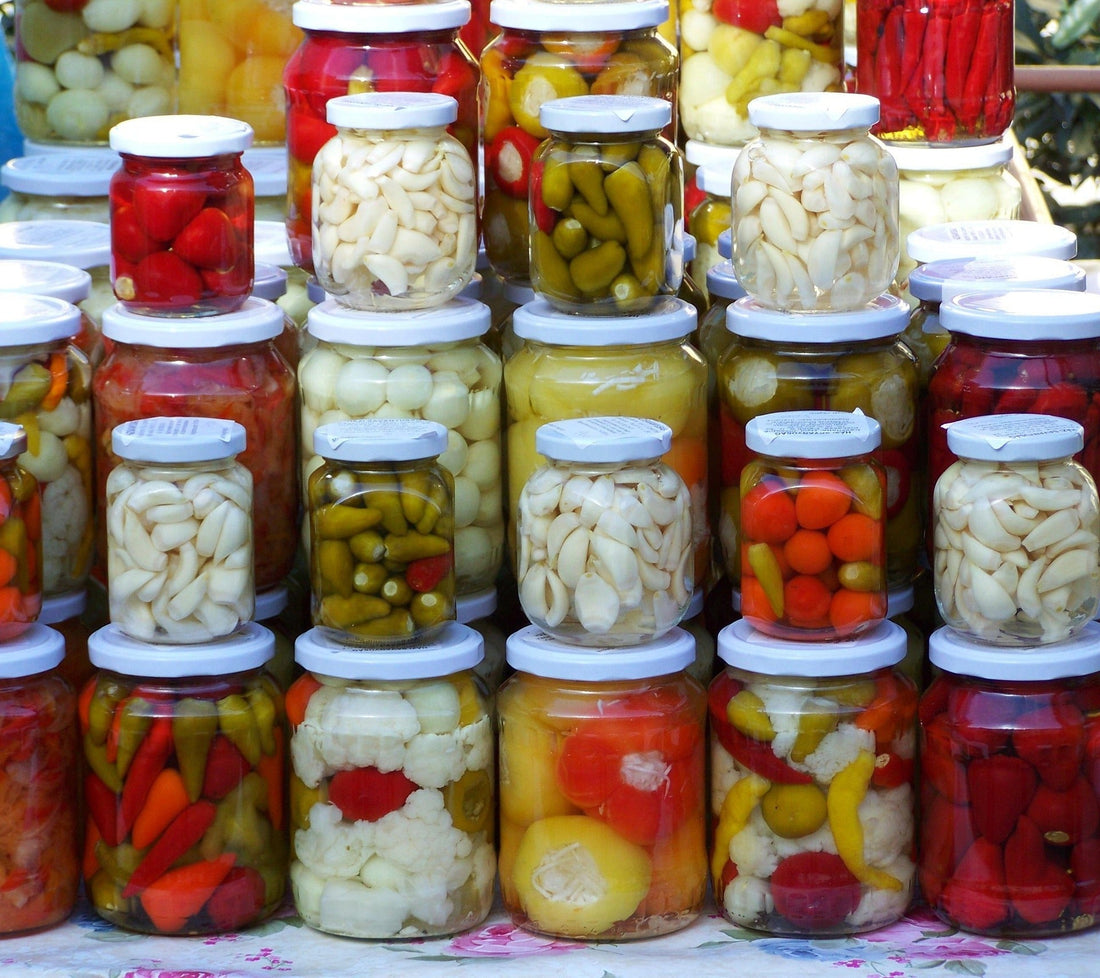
(602, 827)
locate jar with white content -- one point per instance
(58, 185)
(1016, 531)
(604, 533)
(815, 204)
(60, 281)
(179, 530)
(394, 202)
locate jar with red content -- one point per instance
(214, 367)
(1010, 800)
(602, 823)
(352, 48)
(182, 210)
(20, 536)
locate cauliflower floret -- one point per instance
(887, 820)
(820, 841)
(879, 907)
(349, 907)
(356, 727)
(420, 837)
(433, 760)
(723, 775)
(305, 754)
(477, 742)
(792, 8)
(785, 707)
(753, 848)
(437, 706)
(333, 847)
(747, 898)
(307, 887)
(837, 750)
(67, 505)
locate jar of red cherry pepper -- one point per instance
(182, 209)
(1010, 798)
(215, 367)
(353, 48)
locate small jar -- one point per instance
(381, 531)
(606, 219)
(812, 757)
(392, 794)
(602, 822)
(64, 186)
(1016, 531)
(990, 239)
(826, 238)
(182, 209)
(65, 614)
(393, 250)
(478, 610)
(39, 763)
(200, 735)
(709, 218)
(179, 530)
(1010, 813)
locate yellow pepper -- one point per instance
(628, 190)
(737, 807)
(747, 713)
(768, 572)
(846, 792)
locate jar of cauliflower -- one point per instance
(392, 788)
(812, 749)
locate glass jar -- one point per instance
(1016, 531)
(943, 73)
(778, 361)
(47, 390)
(381, 531)
(395, 749)
(604, 533)
(990, 239)
(65, 614)
(214, 367)
(70, 186)
(393, 250)
(350, 48)
(185, 758)
(709, 218)
(39, 758)
(602, 822)
(478, 610)
(427, 364)
(1009, 808)
(82, 68)
(826, 238)
(179, 530)
(267, 164)
(477, 31)
(613, 49)
(606, 220)
(812, 755)
(182, 210)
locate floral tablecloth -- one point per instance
(87, 947)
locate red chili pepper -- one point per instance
(508, 160)
(424, 574)
(164, 209)
(756, 755)
(981, 70)
(306, 134)
(939, 767)
(945, 836)
(1052, 740)
(1039, 890)
(148, 762)
(975, 895)
(1001, 788)
(814, 890)
(982, 721)
(209, 241)
(226, 767)
(892, 771)
(545, 217)
(1063, 399)
(961, 44)
(182, 833)
(237, 901)
(400, 67)
(163, 278)
(365, 794)
(456, 77)
(102, 804)
(750, 15)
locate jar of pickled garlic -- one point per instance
(613, 49)
(737, 50)
(990, 239)
(65, 614)
(944, 74)
(182, 210)
(392, 788)
(185, 752)
(813, 747)
(781, 361)
(179, 530)
(39, 758)
(602, 813)
(606, 217)
(351, 48)
(212, 367)
(429, 364)
(815, 204)
(395, 221)
(1010, 812)
(71, 186)
(59, 281)
(478, 610)
(381, 531)
(709, 218)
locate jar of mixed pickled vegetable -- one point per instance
(812, 754)
(602, 812)
(392, 788)
(71, 186)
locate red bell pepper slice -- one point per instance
(365, 794)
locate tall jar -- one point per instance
(602, 812)
(20, 536)
(215, 367)
(393, 749)
(182, 210)
(812, 788)
(395, 221)
(39, 757)
(815, 204)
(198, 731)
(429, 364)
(613, 49)
(351, 48)
(606, 205)
(179, 530)
(64, 186)
(1010, 814)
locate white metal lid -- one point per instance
(722, 281)
(391, 110)
(373, 18)
(380, 440)
(57, 608)
(476, 605)
(268, 167)
(533, 650)
(13, 440)
(885, 315)
(937, 280)
(1015, 437)
(533, 15)
(714, 180)
(30, 319)
(813, 434)
(257, 320)
(1025, 314)
(86, 173)
(611, 114)
(814, 111)
(455, 648)
(268, 281)
(459, 319)
(85, 244)
(919, 159)
(270, 244)
(711, 155)
(1078, 655)
(981, 239)
(271, 602)
(177, 439)
(50, 278)
(725, 244)
(180, 136)
(741, 646)
(38, 649)
(249, 647)
(603, 439)
(669, 319)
